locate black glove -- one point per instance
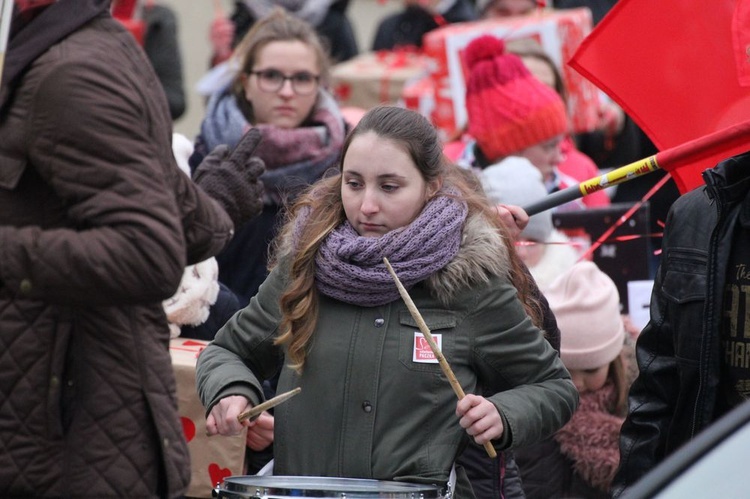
(233, 179)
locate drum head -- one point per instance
(280, 487)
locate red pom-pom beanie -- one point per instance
(508, 108)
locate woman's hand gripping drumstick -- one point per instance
(231, 413)
(273, 402)
(446, 368)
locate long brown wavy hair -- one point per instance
(417, 136)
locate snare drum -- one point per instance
(284, 487)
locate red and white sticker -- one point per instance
(422, 352)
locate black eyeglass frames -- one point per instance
(272, 80)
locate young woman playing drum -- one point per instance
(374, 403)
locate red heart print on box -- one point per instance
(218, 474)
(188, 428)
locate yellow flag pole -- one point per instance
(614, 177)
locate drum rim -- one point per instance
(325, 485)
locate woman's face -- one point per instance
(589, 380)
(545, 155)
(381, 189)
(283, 107)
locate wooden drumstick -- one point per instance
(258, 409)
(433, 346)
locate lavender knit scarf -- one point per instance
(350, 267)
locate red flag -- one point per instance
(679, 68)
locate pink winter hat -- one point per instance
(508, 109)
(586, 305)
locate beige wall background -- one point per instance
(194, 19)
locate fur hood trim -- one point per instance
(482, 255)
(591, 438)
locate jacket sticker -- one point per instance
(422, 352)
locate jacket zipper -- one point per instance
(710, 276)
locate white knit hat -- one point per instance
(515, 180)
(586, 305)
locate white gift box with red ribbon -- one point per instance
(375, 78)
(560, 33)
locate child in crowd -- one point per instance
(331, 320)
(546, 251)
(511, 113)
(575, 166)
(581, 459)
(201, 304)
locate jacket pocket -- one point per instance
(685, 276)
(414, 351)
(683, 290)
(59, 346)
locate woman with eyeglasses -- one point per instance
(280, 90)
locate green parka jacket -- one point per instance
(367, 409)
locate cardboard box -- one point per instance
(560, 32)
(212, 459)
(376, 78)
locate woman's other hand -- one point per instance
(260, 432)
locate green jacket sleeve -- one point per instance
(532, 389)
(243, 354)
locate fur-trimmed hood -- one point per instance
(482, 255)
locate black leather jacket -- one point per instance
(678, 352)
